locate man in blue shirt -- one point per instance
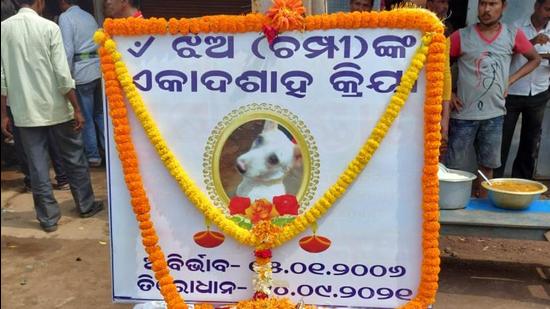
(77, 29)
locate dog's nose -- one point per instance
(241, 167)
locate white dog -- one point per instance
(270, 159)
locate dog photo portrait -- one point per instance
(261, 159)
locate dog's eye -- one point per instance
(273, 159)
(258, 141)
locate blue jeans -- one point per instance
(89, 97)
(53, 151)
(485, 135)
(69, 142)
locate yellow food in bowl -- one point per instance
(513, 193)
(515, 186)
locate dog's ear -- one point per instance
(297, 156)
(269, 125)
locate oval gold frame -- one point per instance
(239, 117)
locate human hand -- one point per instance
(78, 121)
(541, 39)
(456, 104)
(444, 130)
(6, 127)
(443, 148)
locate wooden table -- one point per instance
(485, 220)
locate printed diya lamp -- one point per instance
(208, 238)
(315, 243)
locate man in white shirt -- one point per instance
(528, 96)
(77, 29)
(37, 82)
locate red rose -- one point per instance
(286, 204)
(238, 205)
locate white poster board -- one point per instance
(333, 86)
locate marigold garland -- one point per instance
(404, 18)
(301, 223)
(128, 158)
(117, 79)
(435, 63)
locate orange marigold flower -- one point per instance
(183, 26)
(194, 26)
(261, 210)
(265, 233)
(173, 26)
(204, 25)
(287, 14)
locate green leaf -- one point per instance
(242, 222)
(282, 221)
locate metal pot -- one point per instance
(455, 193)
(513, 200)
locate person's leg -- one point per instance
(98, 113)
(74, 160)
(514, 106)
(62, 182)
(34, 142)
(531, 131)
(488, 144)
(462, 134)
(20, 152)
(85, 95)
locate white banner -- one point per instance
(210, 95)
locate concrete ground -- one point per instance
(70, 267)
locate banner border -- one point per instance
(404, 18)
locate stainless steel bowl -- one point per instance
(455, 193)
(513, 200)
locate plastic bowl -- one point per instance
(513, 200)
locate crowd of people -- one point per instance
(503, 72)
(52, 101)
